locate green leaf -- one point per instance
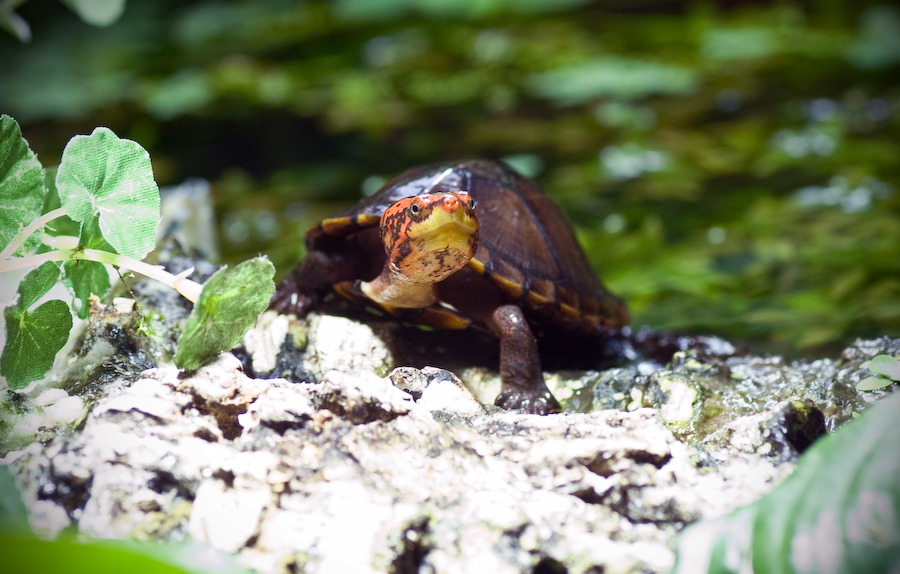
(228, 306)
(13, 513)
(29, 554)
(103, 175)
(885, 365)
(21, 185)
(36, 284)
(838, 512)
(32, 340)
(873, 383)
(97, 12)
(63, 225)
(86, 277)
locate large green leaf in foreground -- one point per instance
(839, 512)
(24, 553)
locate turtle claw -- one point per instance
(534, 403)
(288, 300)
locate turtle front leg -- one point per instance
(522, 382)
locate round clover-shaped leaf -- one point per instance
(111, 177)
(886, 366)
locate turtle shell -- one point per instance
(526, 248)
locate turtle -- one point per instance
(460, 245)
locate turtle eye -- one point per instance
(414, 208)
(472, 204)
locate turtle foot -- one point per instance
(287, 300)
(531, 402)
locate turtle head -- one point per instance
(429, 237)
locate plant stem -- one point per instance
(29, 229)
(188, 288)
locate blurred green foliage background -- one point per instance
(731, 167)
